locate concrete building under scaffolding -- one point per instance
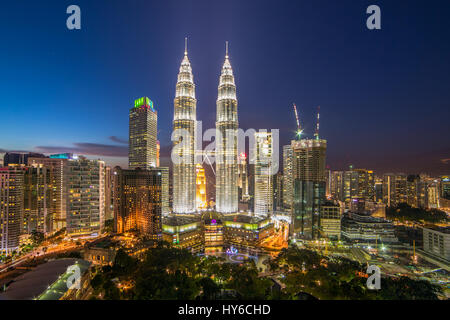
(212, 232)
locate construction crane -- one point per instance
(299, 129)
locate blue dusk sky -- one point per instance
(384, 94)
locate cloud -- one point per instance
(118, 140)
(84, 148)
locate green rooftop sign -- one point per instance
(144, 101)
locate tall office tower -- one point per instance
(277, 182)
(165, 190)
(86, 197)
(38, 189)
(1, 161)
(158, 152)
(11, 208)
(378, 189)
(251, 187)
(243, 178)
(201, 201)
(20, 157)
(138, 201)
(185, 119)
(142, 135)
(309, 185)
(359, 183)
(445, 187)
(288, 184)
(433, 195)
(329, 179)
(394, 189)
(416, 191)
(227, 157)
(337, 185)
(109, 213)
(58, 172)
(263, 173)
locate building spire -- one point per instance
(317, 126)
(226, 49)
(185, 46)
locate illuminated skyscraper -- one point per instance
(201, 201)
(11, 208)
(243, 178)
(263, 174)
(185, 118)
(86, 197)
(138, 201)
(142, 135)
(394, 189)
(288, 184)
(158, 152)
(358, 183)
(38, 215)
(309, 156)
(58, 171)
(226, 155)
(445, 187)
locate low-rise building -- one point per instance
(330, 220)
(183, 231)
(364, 228)
(436, 242)
(245, 230)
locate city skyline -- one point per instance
(394, 127)
(305, 158)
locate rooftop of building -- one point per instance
(365, 217)
(440, 229)
(179, 220)
(244, 218)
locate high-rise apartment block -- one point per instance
(11, 208)
(38, 196)
(86, 197)
(58, 176)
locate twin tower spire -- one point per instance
(185, 117)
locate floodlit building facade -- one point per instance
(138, 201)
(201, 201)
(184, 122)
(227, 142)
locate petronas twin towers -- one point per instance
(226, 155)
